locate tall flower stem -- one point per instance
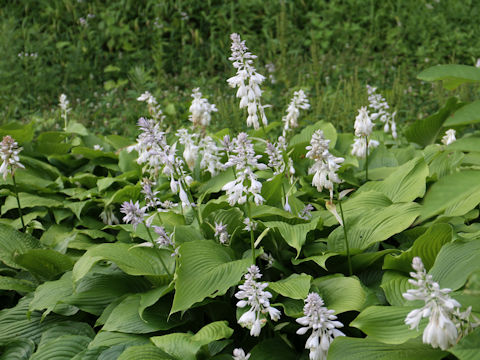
(154, 245)
(18, 202)
(345, 236)
(252, 239)
(366, 159)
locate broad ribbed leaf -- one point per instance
(468, 348)
(51, 293)
(20, 349)
(62, 348)
(394, 285)
(341, 293)
(109, 339)
(144, 352)
(452, 75)
(206, 269)
(466, 144)
(13, 242)
(373, 226)
(387, 324)
(273, 349)
(455, 262)
(347, 348)
(28, 200)
(320, 260)
(295, 286)
(466, 115)
(18, 285)
(46, 263)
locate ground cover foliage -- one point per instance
(102, 54)
(128, 250)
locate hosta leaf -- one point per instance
(468, 348)
(468, 114)
(46, 263)
(133, 261)
(216, 183)
(51, 293)
(13, 242)
(296, 286)
(466, 144)
(149, 298)
(109, 339)
(341, 293)
(62, 348)
(387, 324)
(395, 284)
(320, 260)
(19, 285)
(206, 269)
(28, 201)
(266, 211)
(144, 352)
(20, 349)
(405, 184)
(347, 348)
(67, 328)
(184, 346)
(455, 262)
(127, 193)
(456, 194)
(92, 154)
(20, 132)
(373, 226)
(426, 247)
(294, 235)
(271, 349)
(452, 75)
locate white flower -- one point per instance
(325, 166)
(253, 294)
(200, 110)
(248, 81)
(221, 233)
(363, 125)
(9, 153)
(210, 155)
(133, 213)
(446, 323)
(250, 225)
(359, 146)
(299, 101)
(153, 108)
(449, 137)
(191, 149)
(323, 324)
(380, 110)
(108, 216)
(239, 354)
(97, 147)
(63, 103)
(305, 213)
(268, 258)
(152, 202)
(477, 64)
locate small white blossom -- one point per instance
(250, 225)
(326, 165)
(305, 213)
(248, 81)
(190, 152)
(449, 137)
(363, 125)
(253, 294)
(153, 108)
(97, 147)
(239, 354)
(323, 324)
(380, 110)
(268, 258)
(359, 146)
(210, 155)
(108, 216)
(221, 233)
(200, 110)
(10, 156)
(298, 102)
(134, 214)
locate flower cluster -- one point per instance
(134, 214)
(221, 233)
(446, 323)
(363, 129)
(325, 166)
(323, 324)
(299, 101)
(200, 110)
(253, 294)
(153, 108)
(190, 151)
(108, 215)
(239, 354)
(449, 137)
(10, 156)
(380, 110)
(248, 81)
(210, 155)
(245, 161)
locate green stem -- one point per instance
(345, 236)
(18, 202)
(252, 239)
(366, 160)
(155, 245)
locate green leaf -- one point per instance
(454, 194)
(395, 284)
(425, 131)
(133, 261)
(373, 226)
(144, 352)
(341, 293)
(346, 348)
(110, 339)
(273, 349)
(21, 133)
(455, 262)
(216, 183)
(294, 235)
(49, 294)
(76, 128)
(149, 298)
(405, 184)
(13, 242)
(184, 346)
(466, 115)
(452, 75)
(63, 347)
(301, 140)
(295, 286)
(466, 144)
(18, 285)
(206, 269)
(20, 349)
(426, 247)
(468, 348)
(28, 201)
(320, 260)
(127, 193)
(46, 263)
(387, 324)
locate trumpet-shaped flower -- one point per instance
(323, 324)
(298, 102)
(200, 110)
(134, 214)
(252, 293)
(108, 215)
(449, 137)
(380, 110)
(363, 125)
(239, 354)
(153, 108)
(359, 146)
(221, 233)
(9, 152)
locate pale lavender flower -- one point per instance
(134, 214)
(188, 141)
(154, 109)
(221, 233)
(10, 156)
(363, 124)
(200, 110)
(151, 199)
(163, 240)
(253, 294)
(298, 102)
(323, 324)
(250, 225)
(305, 213)
(268, 258)
(108, 215)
